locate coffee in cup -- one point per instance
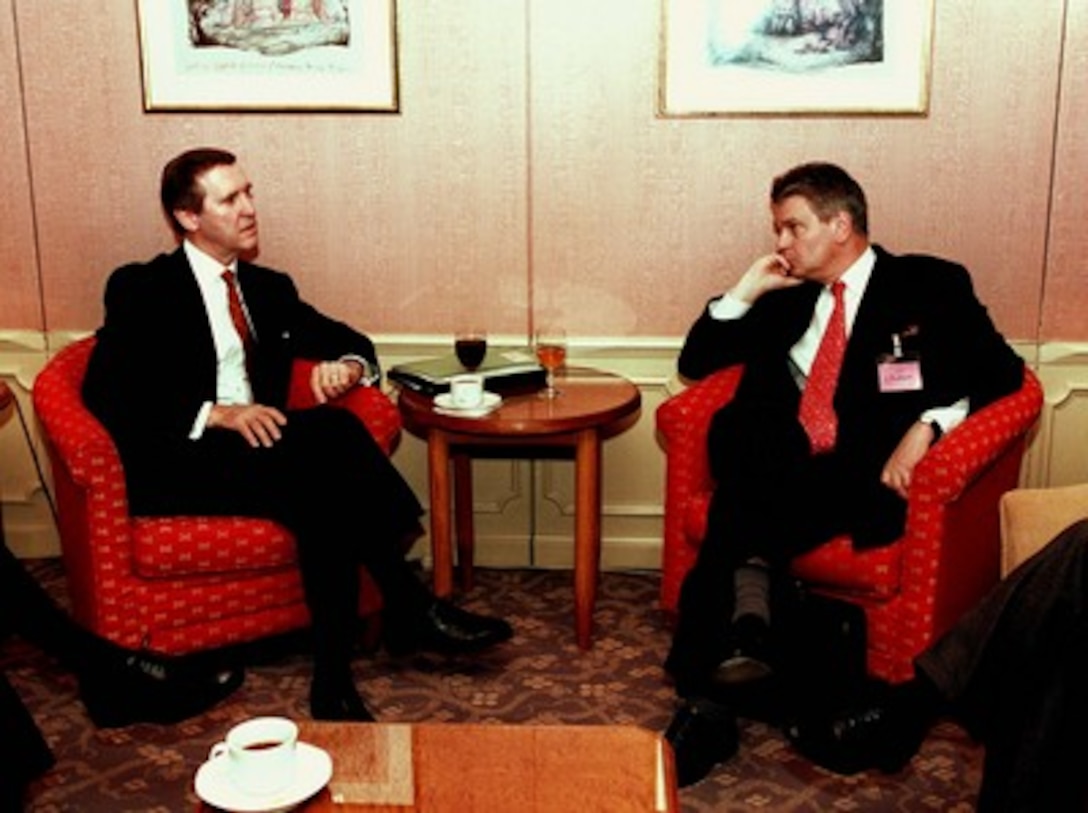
(467, 391)
(260, 754)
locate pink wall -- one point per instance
(527, 171)
(1065, 298)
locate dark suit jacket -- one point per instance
(927, 301)
(155, 361)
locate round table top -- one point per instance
(587, 399)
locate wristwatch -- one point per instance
(372, 371)
(938, 432)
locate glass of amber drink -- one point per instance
(551, 351)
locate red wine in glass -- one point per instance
(470, 347)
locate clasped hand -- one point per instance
(331, 379)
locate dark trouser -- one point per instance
(327, 481)
(25, 608)
(1014, 672)
(23, 751)
(774, 500)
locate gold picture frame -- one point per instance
(801, 57)
(317, 55)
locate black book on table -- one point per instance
(505, 371)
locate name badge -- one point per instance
(899, 375)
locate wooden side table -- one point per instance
(593, 405)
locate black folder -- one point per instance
(505, 371)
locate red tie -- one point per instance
(817, 412)
(237, 315)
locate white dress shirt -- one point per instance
(231, 380)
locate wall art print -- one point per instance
(269, 54)
(753, 57)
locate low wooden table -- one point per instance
(593, 405)
(458, 768)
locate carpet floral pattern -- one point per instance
(539, 677)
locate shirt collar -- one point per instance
(204, 265)
(856, 277)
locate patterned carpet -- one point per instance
(538, 677)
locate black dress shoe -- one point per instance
(342, 704)
(127, 687)
(882, 729)
(749, 656)
(445, 628)
(702, 734)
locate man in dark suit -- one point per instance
(855, 361)
(190, 376)
(118, 686)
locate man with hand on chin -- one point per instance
(190, 376)
(855, 361)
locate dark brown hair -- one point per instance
(179, 188)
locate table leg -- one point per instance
(587, 531)
(438, 464)
(462, 502)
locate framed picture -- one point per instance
(769, 57)
(269, 54)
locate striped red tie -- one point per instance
(817, 411)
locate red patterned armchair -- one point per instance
(912, 590)
(173, 584)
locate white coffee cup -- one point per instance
(467, 391)
(260, 754)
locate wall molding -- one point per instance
(525, 509)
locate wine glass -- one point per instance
(551, 351)
(470, 345)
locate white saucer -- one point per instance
(443, 404)
(312, 773)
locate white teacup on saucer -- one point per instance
(260, 754)
(467, 391)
